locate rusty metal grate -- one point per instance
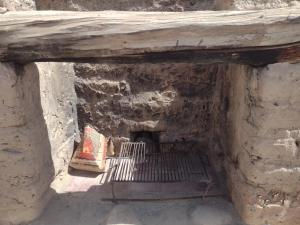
(141, 162)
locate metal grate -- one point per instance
(141, 162)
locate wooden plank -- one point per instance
(254, 37)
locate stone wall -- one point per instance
(264, 134)
(132, 5)
(16, 5)
(174, 99)
(161, 5)
(145, 5)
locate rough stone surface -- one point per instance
(16, 5)
(162, 5)
(134, 5)
(58, 100)
(145, 5)
(259, 4)
(263, 124)
(174, 99)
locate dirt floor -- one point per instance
(79, 201)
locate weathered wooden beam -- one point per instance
(253, 37)
(251, 56)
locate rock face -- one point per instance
(16, 5)
(134, 5)
(263, 164)
(173, 99)
(145, 5)
(162, 5)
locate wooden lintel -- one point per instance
(251, 56)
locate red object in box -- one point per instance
(92, 154)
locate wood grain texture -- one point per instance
(116, 36)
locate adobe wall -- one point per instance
(37, 131)
(25, 152)
(264, 135)
(58, 100)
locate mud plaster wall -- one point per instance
(264, 133)
(175, 99)
(59, 100)
(25, 152)
(38, 128)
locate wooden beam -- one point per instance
(253, 37)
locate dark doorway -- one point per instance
(151, 139)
